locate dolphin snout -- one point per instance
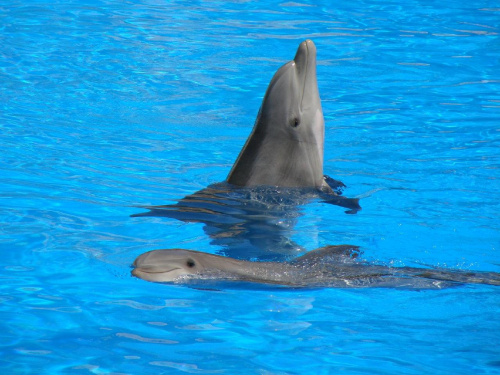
(306, 55)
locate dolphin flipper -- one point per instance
(331, 192)
(336, 185)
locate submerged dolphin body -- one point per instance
(330, 266)
(279, 168)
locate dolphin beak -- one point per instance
(305, 58)
(305, 64)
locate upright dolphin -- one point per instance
(279, 168)
(330, 266)
(286, 145)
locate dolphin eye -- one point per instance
(294, 122)
(190, 263)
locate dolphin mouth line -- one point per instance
(146, 271)
(306, 70)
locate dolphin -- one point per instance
(329, 266)
(279, 169)
(285, 147)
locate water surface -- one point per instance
(107, 106)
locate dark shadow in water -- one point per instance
(251, 223)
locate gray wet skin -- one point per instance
(285, 147)
(174, 264)
(330, 266)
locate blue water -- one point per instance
(106, 106)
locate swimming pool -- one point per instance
(109, 106)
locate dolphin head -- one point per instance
(172, 264)
(166, 265)
(179, 265)
(285, 147)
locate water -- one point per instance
(106, 106)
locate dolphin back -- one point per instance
(327, 254)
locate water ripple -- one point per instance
(108, 106)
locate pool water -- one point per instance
(110, 106)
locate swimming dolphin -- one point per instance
(279, 168)
(330, 266)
